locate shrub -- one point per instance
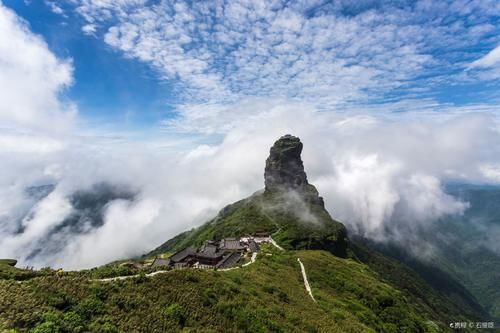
(283, 297)
(175, 312)
(72, 322)
(47, 327)
(89, 307)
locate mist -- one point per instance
(381, 173)
(380, 183)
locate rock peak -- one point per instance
(284, 167)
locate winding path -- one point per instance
(116, 278)
(306, 282)
(272, 241)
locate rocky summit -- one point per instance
(285, 172)
(284, 167)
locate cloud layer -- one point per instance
(331, 54)
(381, 177)
(248, 72)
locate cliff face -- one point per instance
(285, 172)
(284, 168)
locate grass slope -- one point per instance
(444, 299)
(267, 296)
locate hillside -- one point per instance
(268, 212)
(437, 294)
(465, 262)
(266, 296)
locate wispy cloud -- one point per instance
(488, 65)
(89, 29)
(489, 60)
(54, 7)
(328, 54)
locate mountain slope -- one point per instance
(265, 211)
(464, 264)
(268, 296)
(292, 210)
(430, 289)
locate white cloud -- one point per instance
(54, 7)
(32, 79)
(89, 29)
(223, 51)
(381, 176)
(491, 59)
(257, 60)
(489, 65)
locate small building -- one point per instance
(184, 256)
(213, 254)
(231, 244)
(229, 260)
(160, 262)
(261, 237)
(253, 246)
(209, 254)
(210, 259)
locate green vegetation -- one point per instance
(470, 253)
(9, 272)
(267, 296)
(308, 226)
(447, 302)
(463, 266)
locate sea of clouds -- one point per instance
(380, 173)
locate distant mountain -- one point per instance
(88, 209)
(39, 192)
(465, 261)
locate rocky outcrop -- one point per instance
(284, 167)
(285, 170)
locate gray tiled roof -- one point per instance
(253, 246)
(209, 254)
(208, 249)
(231, 244)
(160, 262)
(181, 255)
(229, 260)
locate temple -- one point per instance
(221, 254)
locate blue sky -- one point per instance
(108, 88)
(182, 100)
(141, 64)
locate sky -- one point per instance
(138, 65)
(182, 100)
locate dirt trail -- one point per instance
(306, 282)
